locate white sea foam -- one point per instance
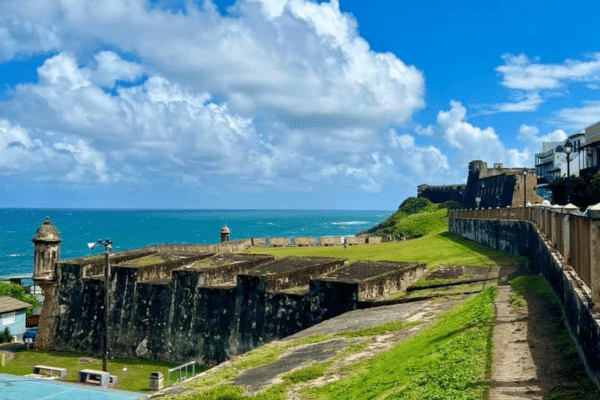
(16, 255)
(350, 223)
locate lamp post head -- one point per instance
(107, 243)
(568, 147)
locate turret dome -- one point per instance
(47, 233)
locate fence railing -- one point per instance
(575, 236)
(183, 374)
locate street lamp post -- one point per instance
(107, 249)
(568, 149)
(525, 188)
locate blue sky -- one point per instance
(281, 103)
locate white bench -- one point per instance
(46, 371)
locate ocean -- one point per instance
(130, 229)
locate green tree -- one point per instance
(592, 190)
(18, 292)
(569, 190)
(5, 336)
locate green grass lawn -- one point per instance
(136, 378)
(433, 249)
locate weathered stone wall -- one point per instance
(355, 240)
(263, 315)
(233, 246)
(330, 241)
(280, 242)
(523, 238)
(305, 241)
(442, 193)
(228, 273)
(303, 276)
(163, 270)
(184, 318)
(392, 281)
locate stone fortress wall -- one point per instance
(206, 303)
(488, 187)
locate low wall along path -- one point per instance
(564, 247)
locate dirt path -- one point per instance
(527, 358)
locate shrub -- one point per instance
(413, 205)
(5, 336)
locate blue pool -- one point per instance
(13, 387)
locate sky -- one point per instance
(287, 104)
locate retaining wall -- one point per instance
(575, 297)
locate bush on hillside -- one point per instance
(452, 205)
(413, 205)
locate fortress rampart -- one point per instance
(203, 302)
(488, 187)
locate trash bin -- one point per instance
(157, 381)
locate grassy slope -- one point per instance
(415, 217)
(434, 249)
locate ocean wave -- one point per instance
(17, 255)
(350, 223)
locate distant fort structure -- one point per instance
(488, 187)
(182, 302)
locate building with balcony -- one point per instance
(590, 151)
(551, 163)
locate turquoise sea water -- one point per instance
(137, 228)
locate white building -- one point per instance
(551, 163)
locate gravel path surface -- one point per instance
(527, 359)
(360, 319)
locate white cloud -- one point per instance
(519, 72)
(158, 127)
(157, 120)
(23, 36)
(291, 60)
(111, 68)
(530, 136)
(472, 142)
(87, 160)
(524, 102)
(580, 117)
(282, 94)
(24, 155)
(532, 82)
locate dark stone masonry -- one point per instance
(203, 303)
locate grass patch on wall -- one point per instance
(449, 249)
